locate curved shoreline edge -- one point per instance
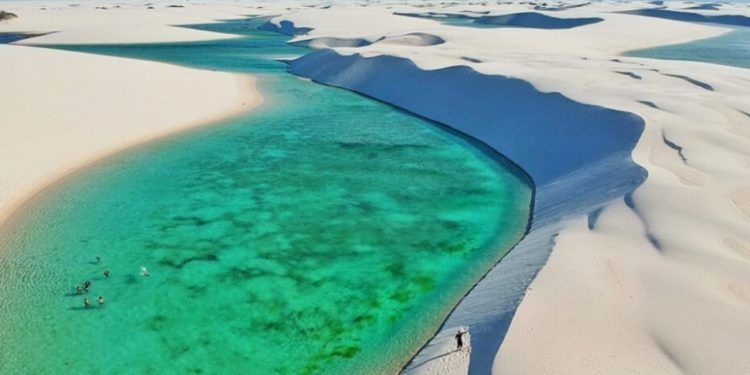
(71, 171)
(571, 177)
(20, 193)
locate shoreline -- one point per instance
(13, 209)
(249, 95)
(497, 157)
(550, 185)
(568, 74)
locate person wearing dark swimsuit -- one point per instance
(459, 339)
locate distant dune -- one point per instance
(284, 27)
(410, 39)
(724, 19)
(621, 271)
(124, 34)
(536, 20)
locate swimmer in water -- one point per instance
(79, 289)
(106, 273)
(86, 302)
(86, 285)
(144, 272)
(100, 300)
(98, 259)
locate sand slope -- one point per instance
(91, 22)
(128, 33)
(58, 15)
(62, 109)
(656, 281)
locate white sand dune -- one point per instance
(658, 282)
(126, 21)
(126, 33)
(61, 110)
(79, 108)
(408, 39)
(412, 40)
(41, 17)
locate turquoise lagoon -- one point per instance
(731, 49)
(322, 233)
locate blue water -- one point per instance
(729, 49)
(322, 233)
(14, 37)
(688, 16)
(450, 19)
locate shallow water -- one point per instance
(729, 49)
(323, 233)
(451, 19)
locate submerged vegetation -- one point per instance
(4, 16)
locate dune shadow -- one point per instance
(725, 19)
(536, 21)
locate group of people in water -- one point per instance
(87, 303)
(86, 286)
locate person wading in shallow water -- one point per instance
(86, 302)
(459, 339)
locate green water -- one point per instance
(323, 233)
(729, 49)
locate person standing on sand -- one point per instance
(459, 339)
